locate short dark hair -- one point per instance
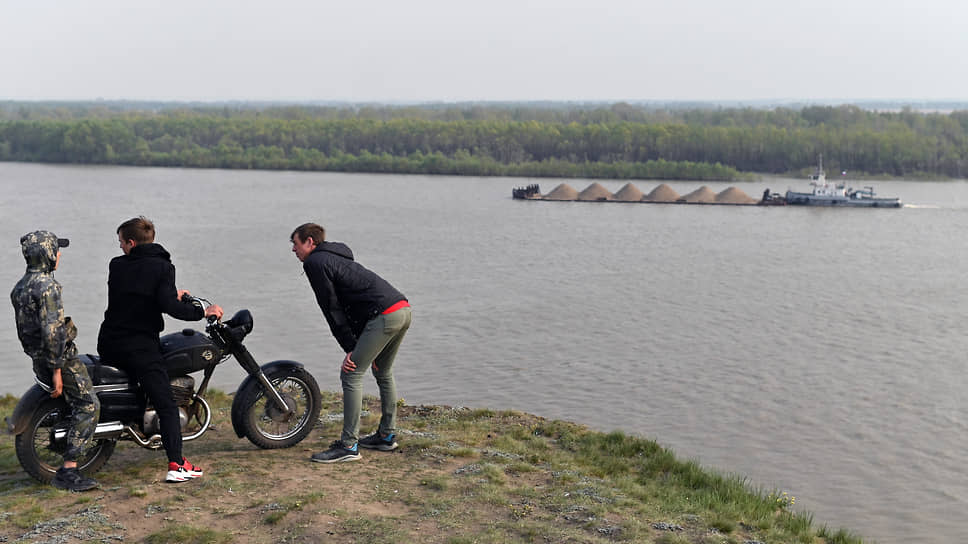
(309, 230)
(139, 229)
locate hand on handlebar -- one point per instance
(213, 310)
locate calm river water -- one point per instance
(816, 351)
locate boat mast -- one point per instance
(819, 178)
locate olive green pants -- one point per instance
(376, 347)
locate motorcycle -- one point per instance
(276, 405)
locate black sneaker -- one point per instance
(71, 479)
(377, 442)
(337, 452)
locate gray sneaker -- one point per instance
(377, 442)
(337, 453)
(70, 479)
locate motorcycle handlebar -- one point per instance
(201, 303)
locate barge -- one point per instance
(823, 194)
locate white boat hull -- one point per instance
(810, 199)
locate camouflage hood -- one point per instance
(40, 249)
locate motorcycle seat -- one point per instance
(102, 373)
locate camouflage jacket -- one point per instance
(46, 335)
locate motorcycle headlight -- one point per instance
(240, 324)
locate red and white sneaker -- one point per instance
(183, 472)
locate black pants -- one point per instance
(144, 365)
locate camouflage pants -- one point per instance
(79, 394)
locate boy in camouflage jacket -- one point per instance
(48, 338)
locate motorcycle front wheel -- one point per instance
(268, 426)
(40, 454)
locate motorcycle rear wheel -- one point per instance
(269, 427)
(40, 455)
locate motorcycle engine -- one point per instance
(182, 391)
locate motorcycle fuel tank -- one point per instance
(188, 351)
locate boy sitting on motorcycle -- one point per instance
(48, 338)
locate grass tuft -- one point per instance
(436, 482)
(375, 530)
(840, 536)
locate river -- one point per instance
(817, 351)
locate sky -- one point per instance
(494, 50)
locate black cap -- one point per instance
(43, 237)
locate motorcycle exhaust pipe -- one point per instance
(153, 442)
(112, 429)
(109, 430)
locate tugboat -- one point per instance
(832, 194)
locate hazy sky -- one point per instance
(430, 50)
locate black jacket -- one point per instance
(141, 286)
(349, 294)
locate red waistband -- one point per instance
(397, 306)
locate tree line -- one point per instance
(620, 141)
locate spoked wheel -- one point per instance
(267, 425)
(41, 453)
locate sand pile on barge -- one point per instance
(702, 194)
(628, 193)
(662, 193)
(562, 192)
(595, 191)
(732, 195)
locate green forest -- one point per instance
(613, 141)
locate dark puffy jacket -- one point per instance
(141, 286)
(349, 294)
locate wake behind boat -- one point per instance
(832, 194)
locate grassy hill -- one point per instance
(460, 476)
